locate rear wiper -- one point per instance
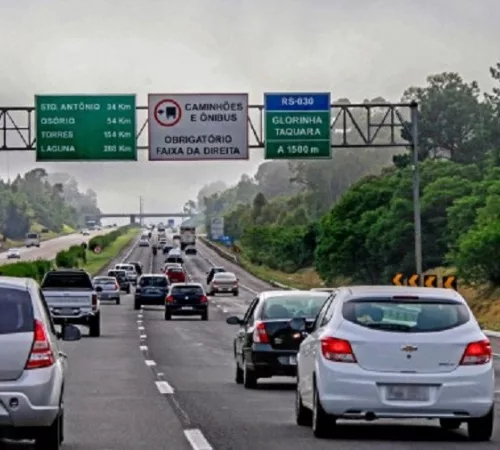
(388, 326)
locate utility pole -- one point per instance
(141, 210)
(416, 194)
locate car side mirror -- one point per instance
(70, 333)
(298, 324)
(98, 289)
(234, 320)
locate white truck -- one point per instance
(32, 240)
(188, 238)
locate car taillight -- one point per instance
(169, 299)
(477, 353)
(41, 352)
(260, 335)
(94, 300)
(117, 287)
(203, 299)
(338, 350)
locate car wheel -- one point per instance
(168, 315)
(50, 437)
(450, 424)
(95, 325)
(235, 293)
(118, 301)
(249, 377)
(128, 289)
(481, 429)
(238, 377)
(137, 305)
(322, 423)
(303, 415)
(204, 315)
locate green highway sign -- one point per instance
(297, 126)
(85, 128)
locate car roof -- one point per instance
(225, 273)
(150, 275)
(187, 283)
(291, 293)
(383, 291)
(103, 277)
(15, 282)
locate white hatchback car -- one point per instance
(398, 353)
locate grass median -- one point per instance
(96, 262)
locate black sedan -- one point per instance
(151, 289)
(186, 299)
(266, 345)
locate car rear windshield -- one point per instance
(104, 280)
(174, 259)
(154, 281)
(16, 311)
(117, 273)
(224, 276)
(32, 236)
(175, 269)
(187, 290)
(412, 316)
(290, 306)
(67, 280)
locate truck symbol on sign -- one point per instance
(170, 112)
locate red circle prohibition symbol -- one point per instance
(177, 117)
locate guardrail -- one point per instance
(236, 260)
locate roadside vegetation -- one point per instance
(78, 256)
(49, 204)
(350, 219)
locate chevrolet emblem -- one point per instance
(409, 348)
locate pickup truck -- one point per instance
(71, 298)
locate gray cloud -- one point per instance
(357, 49)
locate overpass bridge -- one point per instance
(134, 216)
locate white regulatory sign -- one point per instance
(197, 127)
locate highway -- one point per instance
(151, 384)
(48, 249)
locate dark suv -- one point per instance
(122, 278)
(186, 299)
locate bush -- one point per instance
(34, 269)
(72, 257)
(105, 240)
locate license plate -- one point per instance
(293, 360)
(67, 312)
(187, 308)
(408, 393)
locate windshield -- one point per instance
(225, 277)
(187, 290)
(153, 282)
(16, 311)
(118, 273)
(107, 280)
(406, 316)
(175, 270)
(67, 280)
(31, 236)
(290, 306)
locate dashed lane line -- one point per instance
(143, 348)
(197, 440)
(150, 362)
(164, 388)
(143, 336)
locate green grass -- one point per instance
(96, 262)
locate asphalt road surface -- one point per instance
(48, 249)
(151, 384)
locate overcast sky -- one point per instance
(352, 48)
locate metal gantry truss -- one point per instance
(353, 126)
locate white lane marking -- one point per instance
(143, 348)
(141, 328)
(224, 310)
(197, 440)
(139, 322)
(496, 355)
(150, 362)
(492, 333)
(139, 316)
(164, 388)
(218, 306)
(143, 336)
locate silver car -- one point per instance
(32, 367)
(107, 288)
(223, 283)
